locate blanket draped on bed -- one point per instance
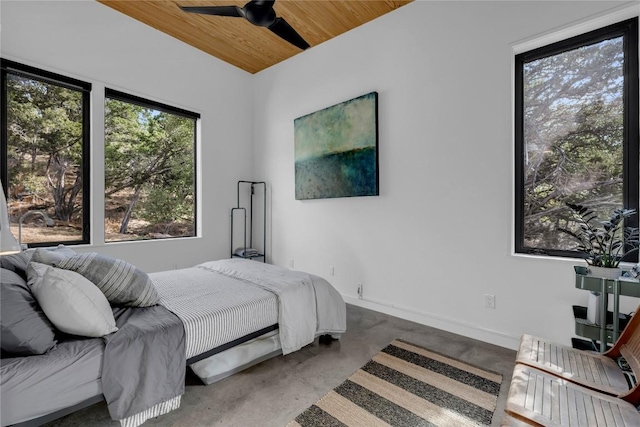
(144, 364)
(308, 304)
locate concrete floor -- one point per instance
(276, 391)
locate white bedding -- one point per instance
(215, 309)
(220, 301)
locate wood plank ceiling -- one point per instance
(244, 45)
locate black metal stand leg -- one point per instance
(326, 339)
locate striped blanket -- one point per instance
(214, 309)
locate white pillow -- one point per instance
(72, 303)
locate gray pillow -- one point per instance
(51, 256)
(25, 329)
(71, 302)
(122, 283)
(18, 262)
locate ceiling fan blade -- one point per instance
(263, 3)
(284, 30)
(215, 10)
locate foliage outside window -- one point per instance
(576, 134)
(149, 169)
(44, 152)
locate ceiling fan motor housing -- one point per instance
(260, 12)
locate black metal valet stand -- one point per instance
(252, 185)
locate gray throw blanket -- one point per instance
(308, 305)
(144, 361)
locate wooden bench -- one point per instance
(556, 385)
(593, 370)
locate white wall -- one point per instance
(92, 42)
(439, 236)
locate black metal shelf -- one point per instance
(247, 256)
(592, 331)
(263, 253)
(627, 286)
(610, 329)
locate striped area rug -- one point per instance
(408, 386)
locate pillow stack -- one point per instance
(47, 290)
(122, 283)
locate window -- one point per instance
(150, 173)
(576, 135)
(45, 154)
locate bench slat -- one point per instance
(571, 404)
(589, 369)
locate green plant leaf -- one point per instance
(601, 241)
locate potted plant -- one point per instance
(604, 243)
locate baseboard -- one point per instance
(437, 321)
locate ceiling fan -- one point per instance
(258, 12)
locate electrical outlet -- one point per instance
(332, 271)
(360, 291)
(490, 301)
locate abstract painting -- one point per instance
(336, 150)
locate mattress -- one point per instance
(39, 385)
(215, 309)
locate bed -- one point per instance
(231, 315)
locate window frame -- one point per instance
(147, 103)
(628, 29)
(11, 67)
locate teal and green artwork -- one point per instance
(336, 150)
